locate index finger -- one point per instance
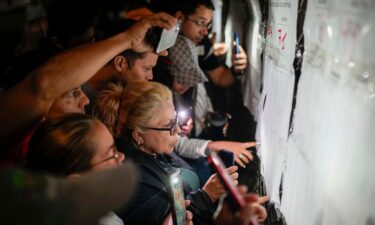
(162, 20)
(250, 144)
(263, 199)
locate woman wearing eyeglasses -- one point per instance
(142, 117)
(71, 145)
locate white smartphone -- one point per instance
(177, 197)
(168, 37)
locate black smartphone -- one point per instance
(227, 157)
(167, 37)
(235, 199)
(236, 40)
(177, 198)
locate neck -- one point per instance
(102, 78)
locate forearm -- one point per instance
(74, 67)
(222, 77)
(191, 148)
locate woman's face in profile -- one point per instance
(106, 155)
(162, 141)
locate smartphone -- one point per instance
(183, 117)
(227, 157)
(236, 40)
(235, 199)
(168, 37)
(177, 197)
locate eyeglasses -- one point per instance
(115, 155)
(171, 129)
(201, 23)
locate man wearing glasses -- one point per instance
(196, 16)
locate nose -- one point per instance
(204, 30)
(150, 76)
(84, 100)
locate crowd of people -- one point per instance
(94, 96)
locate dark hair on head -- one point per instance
(68, 20)
(131, 56)
(60, 145)
(187, 7)
(117, 27)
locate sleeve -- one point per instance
(191, 148)
(208, 61)
(202, 207)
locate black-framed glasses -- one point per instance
(171, 129)
(201, 23)
(115, 155)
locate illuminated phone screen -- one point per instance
(178, 200)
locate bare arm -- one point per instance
(223, 76)
(26, 103)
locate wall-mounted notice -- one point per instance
(281, 32)
(329, 169)
(277, 94)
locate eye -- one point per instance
(76, 93)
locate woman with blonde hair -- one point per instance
(142, 117)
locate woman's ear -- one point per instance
(137, 137)
(73, 176)
(120, 63)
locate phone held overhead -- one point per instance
(168, 37)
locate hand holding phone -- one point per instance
(235, 199)
(177, 198)
(168, 37)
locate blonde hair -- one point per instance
(131, 107)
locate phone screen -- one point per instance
(227, 157)
(177, 197)
(236, 40)
(168, 37)
(235, 199)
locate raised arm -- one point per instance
(26, 103)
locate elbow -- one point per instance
(40, 85)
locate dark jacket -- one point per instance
(151, 204)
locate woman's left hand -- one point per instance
(242, 155)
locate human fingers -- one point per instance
(231, 169)
(239, 162)
(168, 220)
(243, 158)
(161, 19)
(263, 199)
(260, 212)
(242, 189)
(189, 217)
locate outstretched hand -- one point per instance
(242, 155)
